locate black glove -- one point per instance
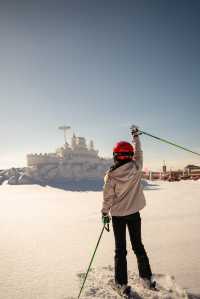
(105, 218)
(135, 131)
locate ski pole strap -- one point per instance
(171, 143)
(107, 227)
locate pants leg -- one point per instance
(119, 229)
(134, 227)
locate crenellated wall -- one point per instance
(42, 159)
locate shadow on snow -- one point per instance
(91, 185)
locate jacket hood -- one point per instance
(124, 172)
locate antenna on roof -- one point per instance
(64, 129)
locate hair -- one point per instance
(118, 163)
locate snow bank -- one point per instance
(97, 286)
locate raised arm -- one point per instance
(138, 156)
(138, 152)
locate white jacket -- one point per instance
(123, 193)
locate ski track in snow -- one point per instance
(97, 286)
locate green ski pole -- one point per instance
(104, 227)
(166, 141)
(171, 143)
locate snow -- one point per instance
(98, 286)
(48, 235)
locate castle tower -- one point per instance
(164, 167)
(81, 143)
(91, 145)
(73, 142)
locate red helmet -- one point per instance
(123, 151)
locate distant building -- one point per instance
(189, 172)
(77, 152)
(192, 170)
(75, 161)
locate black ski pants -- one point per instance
(133, 222)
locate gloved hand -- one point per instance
(105, 218)
(135, 131)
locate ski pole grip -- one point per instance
(135, 131)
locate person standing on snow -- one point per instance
(123, 198)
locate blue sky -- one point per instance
(99, 66)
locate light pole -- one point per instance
(64, 129)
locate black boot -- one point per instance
(149, 283)
(144, 267)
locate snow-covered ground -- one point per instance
(100, 280)
(48, 235)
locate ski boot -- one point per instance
(126, 291)
(123, 290)
(149, 283)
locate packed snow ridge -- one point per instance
(20, 176)
(97, 286)
(42, 177)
